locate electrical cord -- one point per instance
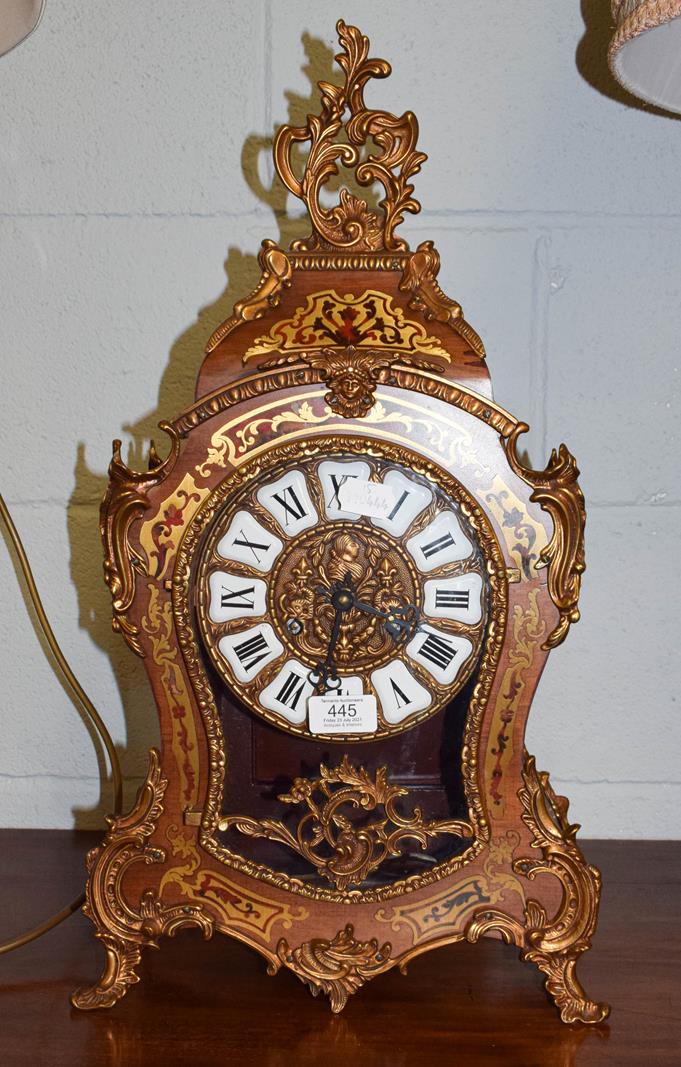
(81, 699)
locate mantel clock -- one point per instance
(344, 583)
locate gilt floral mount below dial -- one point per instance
(344, 574)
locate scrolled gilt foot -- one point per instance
(565, 989)
(122, 958)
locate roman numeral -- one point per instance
(398, 505)
(337, 480)
(238, 598)
(251, 651)
(291, 691)
(437, 545)
(437, 650)
(401, 698)
(254, 546)
(452, 598)
(290, 503)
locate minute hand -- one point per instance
(325, 668)
(362, 605)
(335, 632)
(398, 622)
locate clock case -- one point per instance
(348, 335)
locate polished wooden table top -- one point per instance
(212, 1002)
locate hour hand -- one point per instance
(369, 609)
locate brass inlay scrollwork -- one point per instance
(328, 318)
(553, 944)
(160, 535)
(126, 500)
(446, 439)
(557, 491)
(237, 907)
(339, 967)
(352, 225)
(527, 628)
(351, 850)
(524, 535)
(157, 623)
(447, 909)
(229, 445)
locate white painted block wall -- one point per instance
(135, 188)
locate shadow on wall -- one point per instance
(176, 392)
(591, 58)
(176, 389)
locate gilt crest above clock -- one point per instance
(344, 583)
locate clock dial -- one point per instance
(300, 597)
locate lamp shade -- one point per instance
(18, 19)
(645, 51)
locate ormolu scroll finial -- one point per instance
(351, 225)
